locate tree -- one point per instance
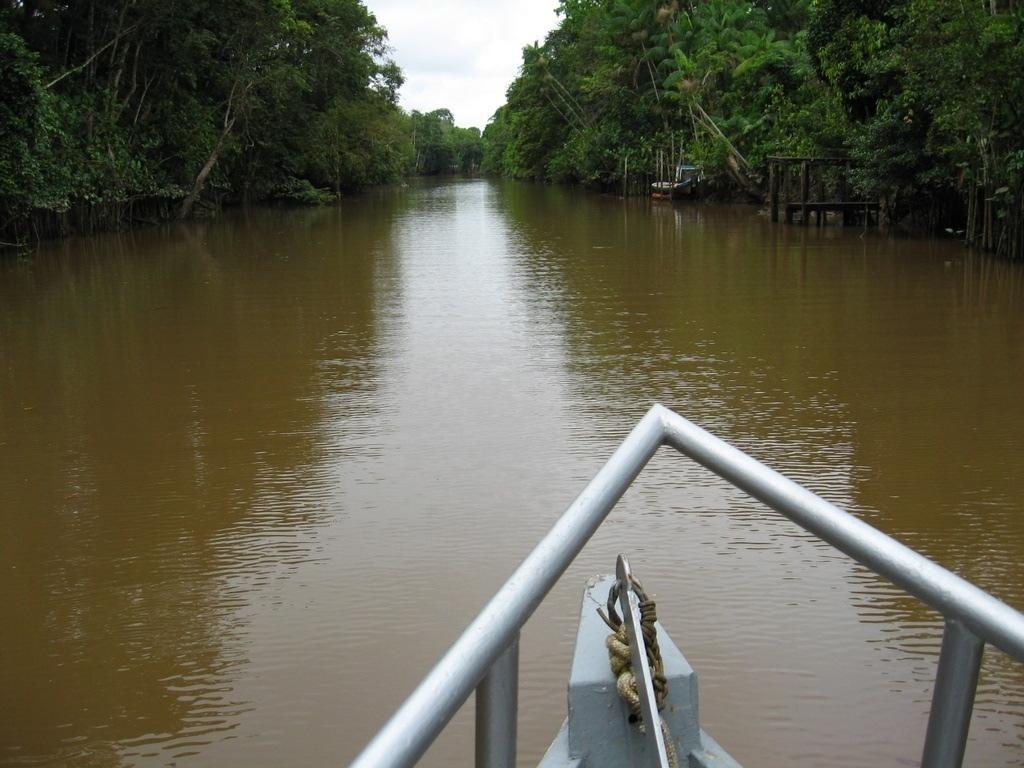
(432, 142)
(20, 108)
(933, 89)
(468, 149)
(120, 106)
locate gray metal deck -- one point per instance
(597, 732)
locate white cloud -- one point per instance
(461, 54)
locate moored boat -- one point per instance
(685, 184)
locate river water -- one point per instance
(258, 472)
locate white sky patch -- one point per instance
(461, 54)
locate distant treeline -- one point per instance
(925, 96)
(119, 111)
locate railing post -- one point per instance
(497, 709)
(956, 681)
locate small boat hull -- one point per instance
(685, 184)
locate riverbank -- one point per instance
(924, 98)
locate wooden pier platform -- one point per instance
(852, 212)
(808, 195)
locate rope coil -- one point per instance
(617, 644)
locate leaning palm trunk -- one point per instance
(736, 164)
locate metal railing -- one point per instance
(485, 658)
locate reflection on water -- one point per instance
(257, 473)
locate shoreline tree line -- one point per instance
(925, 97)
(118, 112)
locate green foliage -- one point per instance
(354, 144)
(20, 106)
(468, 149)
(926, 96)
(434, 151)
(724, 79)
(109, 104)
(437, 146)
(933, 88)
(495, 144)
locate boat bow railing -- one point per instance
(485, 658)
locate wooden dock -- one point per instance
(851, 212)
(800, 185)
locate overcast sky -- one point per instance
(461, 54)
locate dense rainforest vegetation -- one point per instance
(119, 111)
(925, 96)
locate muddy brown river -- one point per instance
(258, 472)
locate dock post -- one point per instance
(773, 188)
(804, 191)
(820, 173)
